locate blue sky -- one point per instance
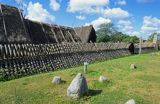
(133, 17)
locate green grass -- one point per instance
(142, 84)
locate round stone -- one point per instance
(78, 87)
(102, 79)
(56, 80)
(131, 101)
(132, 66)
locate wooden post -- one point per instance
(156, 46)
(85, 67)
(140, 45)
(155, 41)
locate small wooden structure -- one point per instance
(86, 33)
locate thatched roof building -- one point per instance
(86, 33)
(12, 28)
(15, 29)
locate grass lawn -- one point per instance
(142, 84)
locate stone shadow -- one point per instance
(94, 92)
(63, 81)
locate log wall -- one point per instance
(17, 60)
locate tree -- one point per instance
(103, 38)
(151, 37)
(104, 32)
(106, 29)
(107, 32)
(133, 39)
(117, 37)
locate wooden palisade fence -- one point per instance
(17, 60)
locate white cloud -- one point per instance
(120, 2)
(36, 12)
(87, 6)
(135, 33)
(116, 13)
(150, 25)
(124, 22)
(96, 23)
(126, 26)
(81, 17)
(99, 7)
(54, 5)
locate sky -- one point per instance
(133, 17)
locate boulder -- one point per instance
(56, 80)
(102, 79)
(131, 101)
(78, 87)
(132, 66)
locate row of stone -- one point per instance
(78, 87)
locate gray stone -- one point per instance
(102, 79)
(78, 87)
(131, 101)
(56, 80)
(132, 66)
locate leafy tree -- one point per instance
(104, 32)
(117, 37)
(105, 29)
(103, 38)
(151, 37)
(133, 39)
(107, 32)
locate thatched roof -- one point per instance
(15, 29)
(47, 33)
(12, 27)
(86, 33)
